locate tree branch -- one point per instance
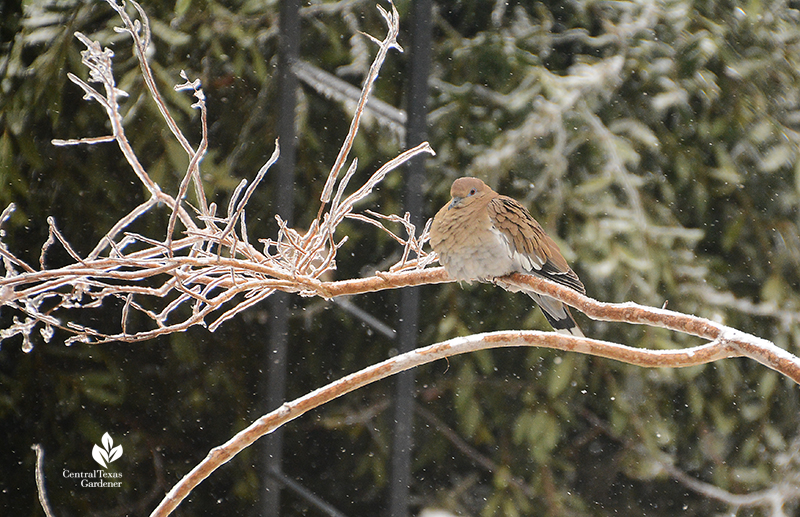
(289, 411)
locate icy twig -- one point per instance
(388, 43)
(188, 272)
(40, 488)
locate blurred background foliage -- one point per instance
(656, 141)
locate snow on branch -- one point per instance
(205, 268)
(723, 347)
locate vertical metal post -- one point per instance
(416, 132)
(274, 387)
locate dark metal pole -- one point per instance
(416, 132)
(283, 203)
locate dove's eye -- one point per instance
(472, 192)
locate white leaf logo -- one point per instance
(107, 453)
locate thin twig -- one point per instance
(193, 170)
(772, 498)
(249, 192)
(469, 451)
(388, 43)
(40, 488)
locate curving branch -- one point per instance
(289, 411)
(736, 342)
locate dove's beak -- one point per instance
(455, 202)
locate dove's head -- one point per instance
(467, 190)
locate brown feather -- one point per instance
(523, 231)
(481, 235)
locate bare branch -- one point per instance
(745, 345)
(388, 43)
(190, 271)
(239, 211)
(291, 410)
(81, 141)
(193, 171)
(772, 498)
(43, 500)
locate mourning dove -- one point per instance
(481, 235)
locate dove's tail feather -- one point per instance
(557, 314)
